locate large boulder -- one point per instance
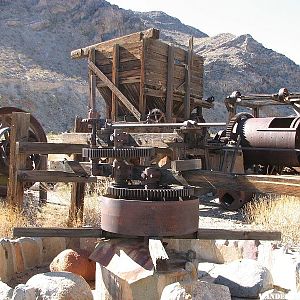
(60, 286)
(77, 262)
(5, 291)
(245, 278)
(196, 290)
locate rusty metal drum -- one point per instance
(149, 218)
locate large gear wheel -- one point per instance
(136, 192)
(230, 134)
(133, 152)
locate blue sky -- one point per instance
(274, 23)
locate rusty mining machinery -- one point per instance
(155, 145)
(36, 134)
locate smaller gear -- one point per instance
(133, 152)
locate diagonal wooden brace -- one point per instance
(114, 90)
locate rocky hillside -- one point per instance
(37, 74)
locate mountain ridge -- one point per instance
(38, 75)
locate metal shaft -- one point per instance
(169, 125)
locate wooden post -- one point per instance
(188, 71)
(92, 88)
(169, 100)
(142, 100)
(115, 80)
(42, 189)
(78, 189)
(18, 132)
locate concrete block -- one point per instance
(32, 250)
(18, 256)
(128, 273)
(52, 246)
(6, 260)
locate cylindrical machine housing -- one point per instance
(274, 141)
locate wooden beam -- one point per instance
(170, 85)
(51, 176)
(142, 96)
(49, 148)
(203, 233)
(186, 164)
(134, 37)
(276, 184)
(115, 81)
(223, 234)
(115, 90)
(188, 70)
(19, 132)
(77, 190)
(92, 88)
(56, 232)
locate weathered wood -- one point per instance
(49, 148)
(187, 99)
(19, 132)
(92, 87)
(115, 81)
(115, 90)
(134, 37)
(77, 190)
(158, 254)
(224, 234)
(281, 185)
(67, 166)
(170, 86)
(202, 234)
(142, 96)
(51, 176)
(186, 164)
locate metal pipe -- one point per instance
(160, 125)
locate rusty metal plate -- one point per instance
(149, 218)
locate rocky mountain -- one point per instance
(37, 74)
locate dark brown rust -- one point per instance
(149, 218)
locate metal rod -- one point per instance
(173, 125)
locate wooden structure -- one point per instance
(20, 148)
(138, 73)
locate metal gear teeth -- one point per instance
(133, 152)
(170, 193)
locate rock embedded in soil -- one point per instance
(60, 286)
(77, 262)
(245, 278)
(197, 290)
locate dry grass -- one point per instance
(9, 218)
(280, 213)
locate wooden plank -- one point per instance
(92, 87)
(51, 176)
(115, 90)
(203, 233)
(142, 95)
(187, 99)
(225, 234)
(170, 85)
(19, 132)
(49, 148)
(186, 164)
(134, 37)
(56, 232)
(276, 184)
(115, 81)
(158, 254)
